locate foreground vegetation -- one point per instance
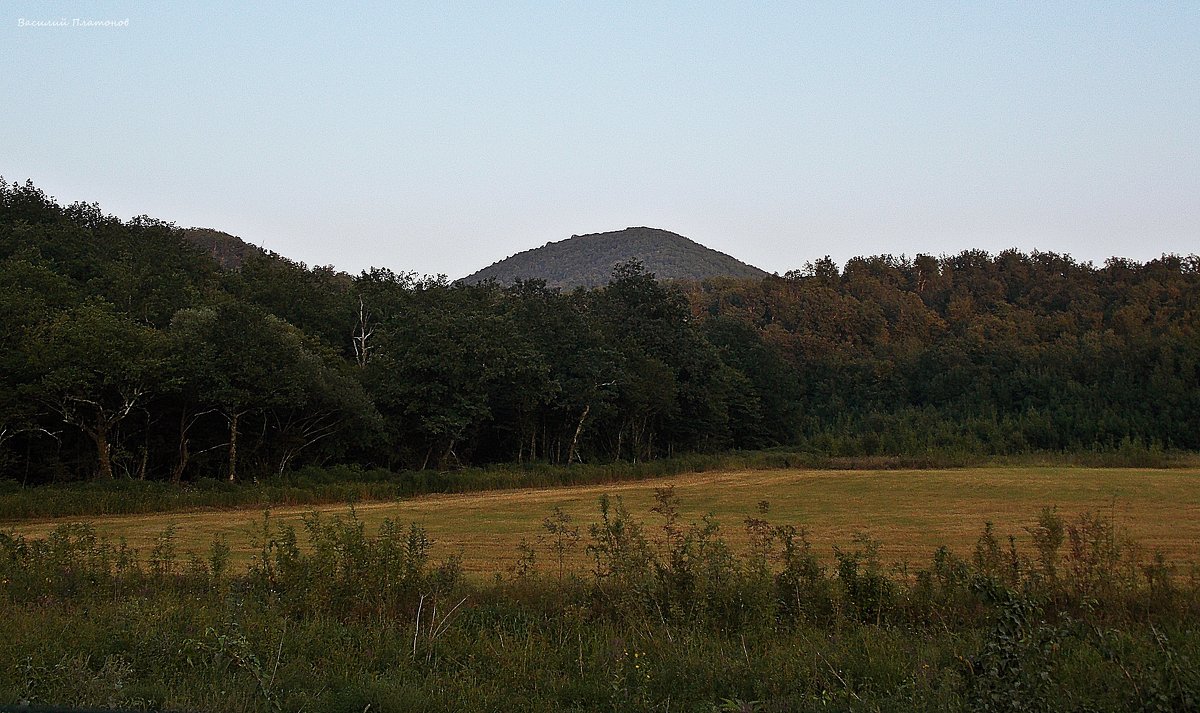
(126, 351)
(664, 617)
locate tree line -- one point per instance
(126, 351)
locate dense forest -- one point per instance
(129, 352)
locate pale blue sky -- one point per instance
(440, 137)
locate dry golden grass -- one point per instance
(910, 512)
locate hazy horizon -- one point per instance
(442, 139)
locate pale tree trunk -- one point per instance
(444, 464)
(184, 453)
(578, 429)
(361, 334)
(635, 440)
(233, 435)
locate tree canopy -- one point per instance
(127, 351)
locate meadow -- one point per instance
(819, 591)
(912, 511)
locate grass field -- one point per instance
(910, 512)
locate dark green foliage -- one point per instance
(127, 352)
(1013, 669)
(342, 569)
(981, 354)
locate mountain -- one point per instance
(229, 251)
(588, 260)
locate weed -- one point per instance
(564, 537)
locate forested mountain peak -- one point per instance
(229, 251)
(588, 260)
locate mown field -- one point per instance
(909, 512)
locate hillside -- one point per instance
(588, 260)
(228, 250)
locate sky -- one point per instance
(440, 137)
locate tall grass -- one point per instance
(665, 617)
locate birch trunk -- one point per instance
(578, 429)
(233, 434)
